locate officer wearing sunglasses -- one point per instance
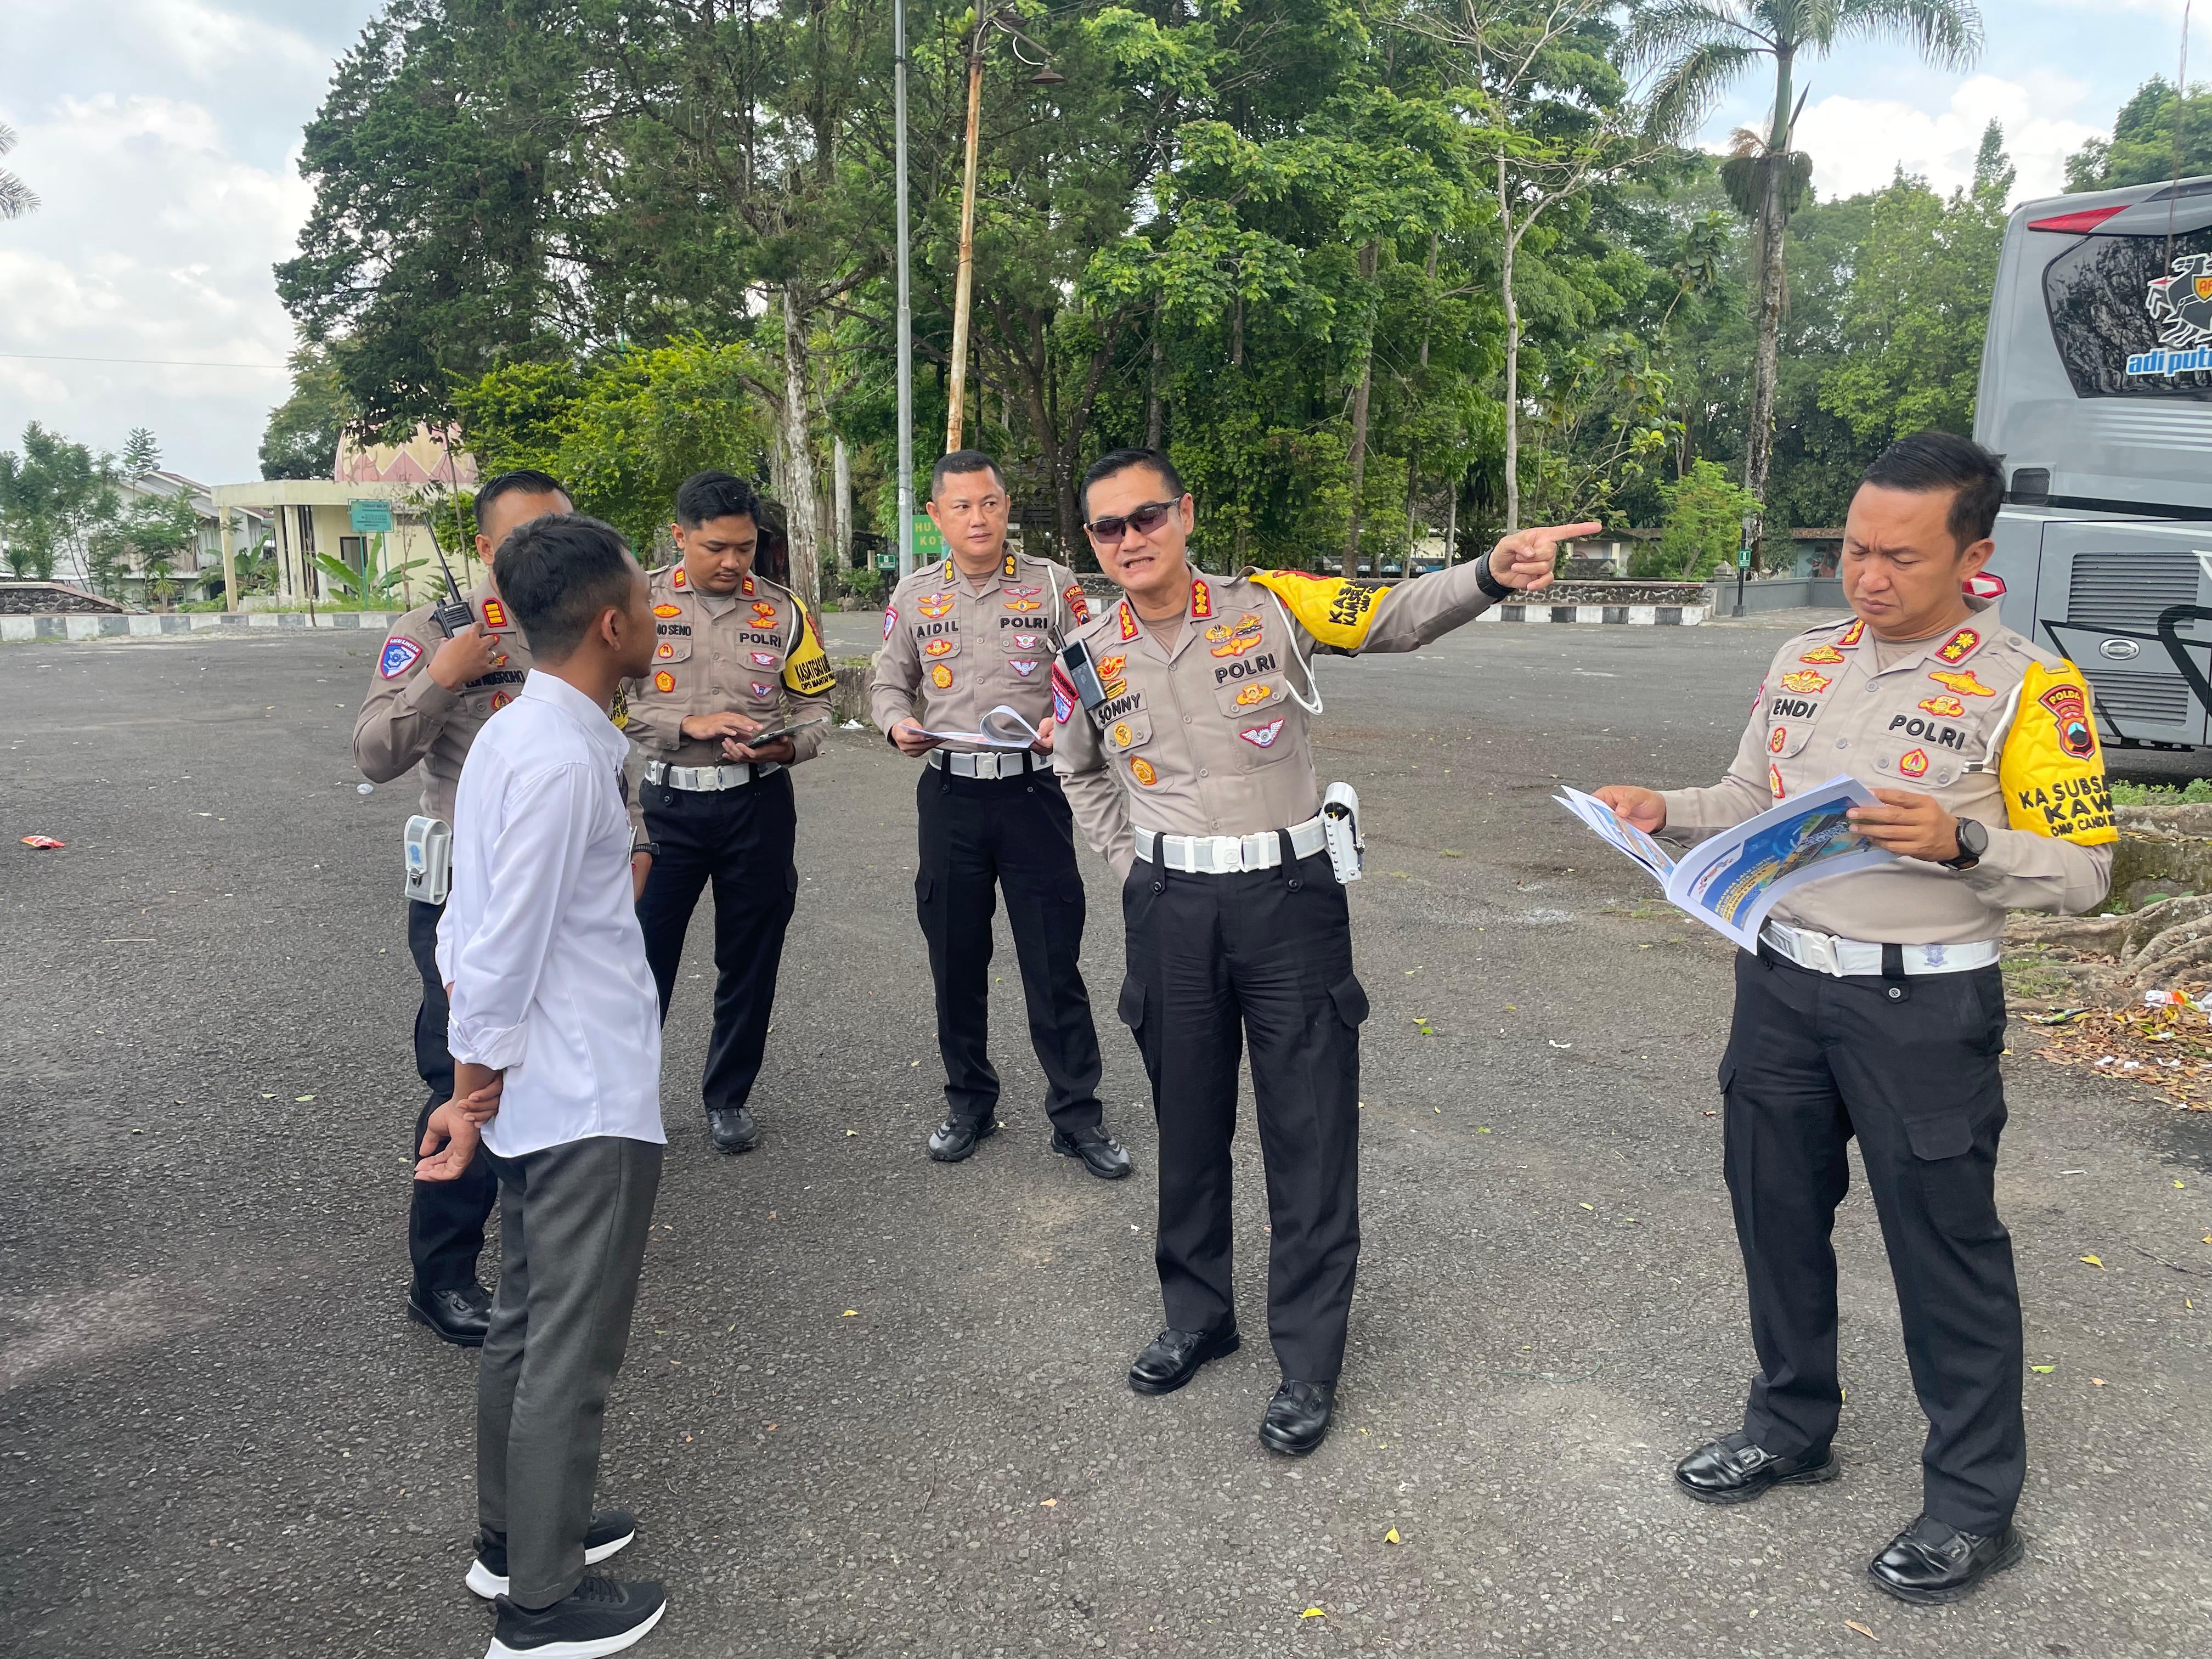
(1184, 752)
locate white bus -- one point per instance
(2096, 395)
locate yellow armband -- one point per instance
(1335, 611)
(2052, 774)
(807, 669)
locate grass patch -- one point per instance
(2197, 792)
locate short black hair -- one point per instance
(705, 495)
(1929, 461)
(559, 574)
(524, 481)
(1121, 460)
(961, 461)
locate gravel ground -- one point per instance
(874, 1405)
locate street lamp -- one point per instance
(988, 17)
(905, 306)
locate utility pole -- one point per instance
(986, 18)
(955, 409)
(905, 307)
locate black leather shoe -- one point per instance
(732, 1128)
(954, 1139)
(1297, 1418)
(1172, 1358)
(1731, 1470)
(1101, 1153)
(1933, 1561)
(461, 1317)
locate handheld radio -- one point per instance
(454, 614)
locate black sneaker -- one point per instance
(955, 1140)
(599, 1616)
(611, 1530)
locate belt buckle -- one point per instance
(1822, 947)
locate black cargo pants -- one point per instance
(1214, 960)
(977, 836)
(1909, 1065)
(446, 1219)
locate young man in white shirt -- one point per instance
(556, 1037)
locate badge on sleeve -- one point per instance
(891, 619)
(400, 654)
(1063, 696)
(1077, 606)
(2051, 772)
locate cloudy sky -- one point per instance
(163, 137)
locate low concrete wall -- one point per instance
(144, 626)
(1783, 594)
(34, 598)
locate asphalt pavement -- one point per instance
(874, 1405)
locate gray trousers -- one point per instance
(573, 1225)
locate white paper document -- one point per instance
(1002, 729)
(1732, 880)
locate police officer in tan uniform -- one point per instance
(1875, 1008)
(737, 655)
(966, 635)
(1184, 749)
(428, 698)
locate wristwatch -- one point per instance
(1973, 841)
(650, 848)
(1486, 580)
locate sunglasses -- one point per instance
(1143, 521)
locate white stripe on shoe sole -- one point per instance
(597, 1649)
(487, 1583)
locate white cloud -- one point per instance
(155, 241)
(1858, 143)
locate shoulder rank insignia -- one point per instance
(1201, 598)
(1128, 620)
(1010, 569)
(1959, 646)
(746, 587)
(679, 580)
(1851, 636)
(495, 616)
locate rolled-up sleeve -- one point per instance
(530, 876)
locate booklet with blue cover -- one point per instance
(1730, 881)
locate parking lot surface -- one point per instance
(875, 1405)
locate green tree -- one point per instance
(623, 432)
(301, 438)
(145, 539)
(53, 495)
(1705, 511)
(1918, 303)
(16, 197)
(142, 452)
(1702, 47)
(2141, 150)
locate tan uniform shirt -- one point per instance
(409, 719)
(750, 653)
(964, 650)
(1207, 735)
(1934, 721)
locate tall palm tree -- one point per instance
(15, 196)
(1700, 48)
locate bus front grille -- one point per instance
(2127, 591)
(2154, 699)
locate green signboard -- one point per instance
(928, 541)
(370, 518)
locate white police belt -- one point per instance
(707, 779)
(998, 763)
(1228, 855)
(1850, 959)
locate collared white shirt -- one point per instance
(540, 940)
